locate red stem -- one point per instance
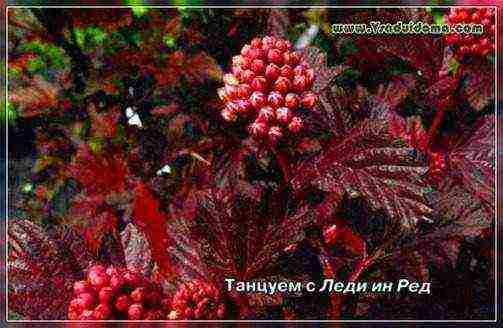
(283, 163)
(437, 120)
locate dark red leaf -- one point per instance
(40, 278)
(136, 250)
(478, 84)
(370, 163)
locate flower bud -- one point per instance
(247, 76)
(244, 91)
(259, 83)
(256, 43)
(282, 85)
(299, 83)
(286, 71)
(122, 303)
(292, 100)
(257, 66)
(266, 114)
(135, 312)
(272, 72)
(308, 100)
(275, 133)
(257, 128)
(283, 115)
(275, 99)
(275, 56)
(295, 125)
(258, 99)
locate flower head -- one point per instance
(269, 82)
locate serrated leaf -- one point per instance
(468, 193)
(237, 226)
(324, 74)
(478, 85)
(137, 252)
(367, 162)
(474, 162)
(40, 278)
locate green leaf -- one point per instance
(169, 40)
(138, 7)
(35, 65)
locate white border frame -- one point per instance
(250, 321)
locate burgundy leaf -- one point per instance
(474, 162)
(369, 162)
(478, 85)
(136, 250)
(324, 74)
(277, 23)
(440, 90)
(40, 278)
(398, 89)
(467, 194)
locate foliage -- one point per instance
(119, 156)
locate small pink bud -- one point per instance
(105, 295)
(259, 83)
(309, 73)
(244, 106)
(295, 125)
(308, 100)
(283, 115)
(282, 85)
(275, 133)
(102, 312)
(266, 114)
(231, 91)
(138, 295)
(253, 54)
(286, 71)
(295, 57)
(299, 83)
(87, 315)
(247, 76)
(257, 66)
(257, 128)
(299, 70)
(275, 99)
(80, 287)
(268, 41)
(292, 100)
(223, 96)
(88, 300)
(230, 79)
(245, 50)
(275, 56)
(281, 45)
(256, 43)
(116, 282)
(122, 303)
(258, 99)
(99, 280)
(272, 72)
(229, 113)
(261, 54)
(244, 91)
(135, 312)
(241, 61)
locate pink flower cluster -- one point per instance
(268, 83)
